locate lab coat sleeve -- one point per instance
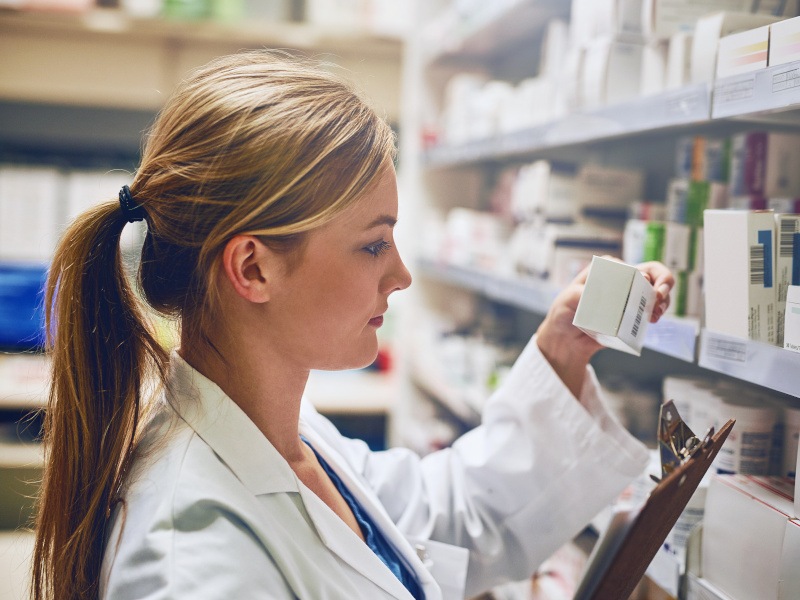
(513, 490)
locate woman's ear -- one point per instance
(245, 262)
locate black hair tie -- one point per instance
(130, 210)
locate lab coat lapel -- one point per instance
(341, 541)
(370, 502)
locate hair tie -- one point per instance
(130, 210)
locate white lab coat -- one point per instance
(213, 511)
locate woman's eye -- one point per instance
(378, 248)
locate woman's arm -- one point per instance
(567, 348)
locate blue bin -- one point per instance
(22, 306)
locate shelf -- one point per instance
(491, 29)
(74, 59)
(23, 381)
(535, 296)
(767, 90)
(673, 336)
(675, 108)
(16, 455)
(352, 392)
(755, 362)
(455, 401)
(248, 32)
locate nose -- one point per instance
(398, 278)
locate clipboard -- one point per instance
(640, 537)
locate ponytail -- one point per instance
(101, 353)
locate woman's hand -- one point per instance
(567, 348)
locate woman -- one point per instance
(269, 194)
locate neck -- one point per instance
(267, 389)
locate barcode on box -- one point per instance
(639, 314)
(787, 231)
(757, 264)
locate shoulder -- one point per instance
(181, 530)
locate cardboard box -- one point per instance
(609, 187)
(702, 158)
(31, 212)
(707, 34)
(745, 523)
(616, 305)
(787, 264)
(698, 588)
(743, 52)
(612, 72)
(784, 42)
(789, 578)
(667, 17)
(791, 320)
(679, 60)
(739, 270)
(764, 165)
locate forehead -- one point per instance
(380, 199)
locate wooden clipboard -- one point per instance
(655, 519)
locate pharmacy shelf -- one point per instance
(456, 401)
(105, 58)
(533, 295)
(682, 107)
(127, 28)
(755, 362)
(489, 28)
(23, 381)
(672, 336)
(18, 455)
(764, 91)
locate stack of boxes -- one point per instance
(746, 496)
(614, 51)
(750, 252)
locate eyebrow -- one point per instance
(382, 220)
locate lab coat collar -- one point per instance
(220, 422)
(225, 427)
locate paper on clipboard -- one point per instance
(634, 535)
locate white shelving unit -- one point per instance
(106, 58)
(769, 95)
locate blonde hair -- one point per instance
(258, 143)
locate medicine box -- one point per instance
(707, 34)
(784, 42)
(789, 577)
(787, 263)
(764, 164)
(616, 305)
(612, 72)
(743, 52)
(744, 513)
(679, 60)
(740, 273)
(791, 320)
(669, 16)
(698, 588)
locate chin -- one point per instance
(356, 360)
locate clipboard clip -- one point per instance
(677, 443)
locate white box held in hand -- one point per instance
(616, 305)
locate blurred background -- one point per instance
(533, 135)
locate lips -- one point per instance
(376, 321)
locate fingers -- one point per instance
(663, 281)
